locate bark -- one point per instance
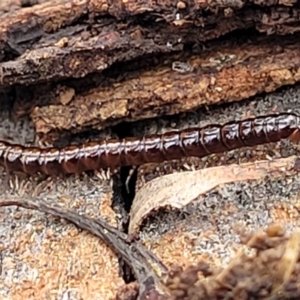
(78, 65)
(118, 60)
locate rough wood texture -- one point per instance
(276, 254)
(80, 64)
(44, 258)
(236, 71)
(76, 65)
(74, 38)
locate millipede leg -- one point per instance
(44, 183)
(131, 172)
(155, 148)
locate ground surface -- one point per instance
(46, 258)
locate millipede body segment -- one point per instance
(112, 153)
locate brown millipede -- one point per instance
(112, 153)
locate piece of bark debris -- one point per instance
(215, 76)
(271, 272)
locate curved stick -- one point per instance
(141, 260)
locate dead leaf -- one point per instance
(179, 189)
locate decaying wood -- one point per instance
(274, 266)
(57, 33)
(271, 273)
(142, 262)
(75, 65)
(82, 64)
(236, 71)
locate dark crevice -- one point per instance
(124, 192)
(128, 179)
(28, 3)
(118, 205)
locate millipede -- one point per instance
(155, 148)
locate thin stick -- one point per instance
(140, 259)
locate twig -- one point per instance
(140, 259)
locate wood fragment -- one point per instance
(123, 33)
(245, 277)
(160, 90)
(147, 268)
(116, 60)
